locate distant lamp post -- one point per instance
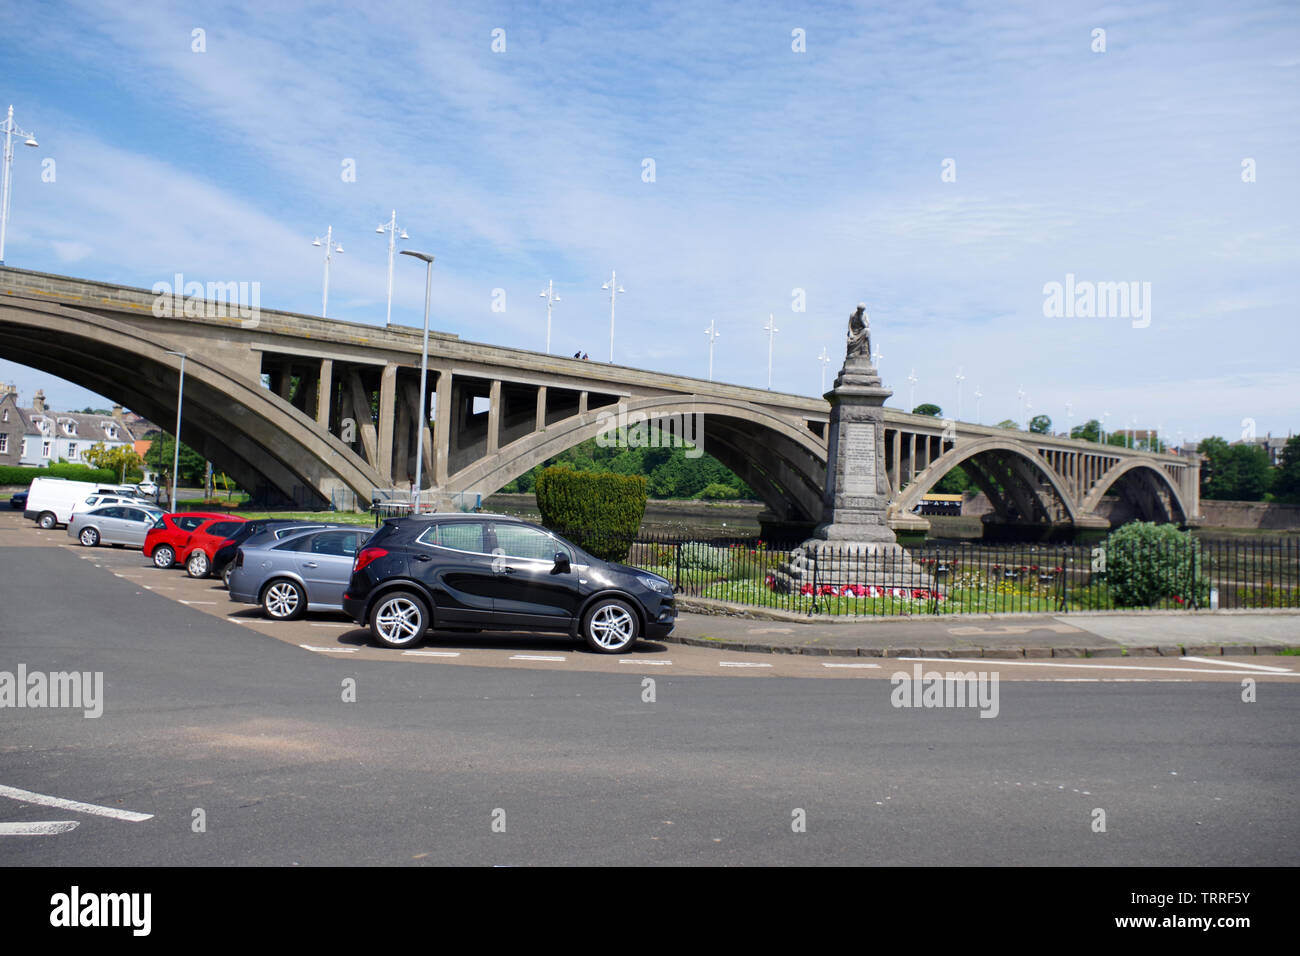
(614, 288)
(9, 129)
(825, 359)
(390, 227)
(771, 331)
(1069, 419)
(551, 298)
(713, 335)
(176, 456)
(960, 378)
(911, 394)
(330, 249)
(1101, 431)
(427, 259)
(1020, 394)
(978, 395)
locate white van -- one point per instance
(51, 501)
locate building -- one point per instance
(52, 435)
(14, 427)
(1272, 447)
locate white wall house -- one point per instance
(69, 435)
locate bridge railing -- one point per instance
(976, 578)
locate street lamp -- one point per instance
(1069, 419)
(424, 375)
(551, 298)
(713, 335)
(771, 331)
(911, 381)
(979, 419)
(960, 378)
(390, 227)
(613, 287)
(329, 250)
(176, 457)
(9, 129)
(1102, 429)
(825, 359)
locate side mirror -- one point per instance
(561, 562)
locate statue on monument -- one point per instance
(859, 337)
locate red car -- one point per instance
(170, 533)
(197, 552)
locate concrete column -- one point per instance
(582, 403)
(494, 417)
(325, 393)
(387, 402)
(541, 408)
(898, 461)
(442, 428)
(361, 418)
(286, 381)
(911, 456)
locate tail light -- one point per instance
(365, 556)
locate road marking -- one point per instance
(432, 653)
(827, 663)
(741, 664)
(1260, 667)
(197, 602)
(38, 829)
(329, 650)
(534, 657)
(999, 661)
(344, 626)
(624, 660)
(27, 796)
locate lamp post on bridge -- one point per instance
(614, 288)
(911, 394)
(978, 395)
(713, 335)
(427, 259)
(390, 227)
(771, 331)
(329, 251)
(551, 298)
(825, 359)
(960, 378)
(10, 128)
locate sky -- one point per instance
(943, 163)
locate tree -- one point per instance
(1088, 431)
(954, 482)
(193, 465)
(1008, 423)
(1040, 425)
(1233, 472)
(928, 409)
(1286, 483)
(119, 459)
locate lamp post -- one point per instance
(960, 378)
(9, 129)
(978, 395)
(176, 456)
(1069, 419)
(390, 227)
(1020, 395)
(771, 331)
(424, 376)
(825, 359)
(329, 250)
(1102, 429)
(911, 394)
(713, 335)
(614, 288)
(551, 298)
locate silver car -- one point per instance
(114, 524)
(298, 573)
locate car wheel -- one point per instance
(399, 619)
(163, 556)
(197, 566)
(283, 600)
(610, 627)
(89, 537)
(47, 520)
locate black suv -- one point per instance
(493, 572)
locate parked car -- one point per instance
(223, 562)
(494, 572)
(113, 524)
(299, 572)
(50, 501)
(148, 488)
(204, 542)
(101, 499)
(171, 532)
(18, 500)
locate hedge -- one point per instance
(600, 512)
(1147, 562)
(15, 475)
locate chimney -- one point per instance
(38, 402)
(117, 413)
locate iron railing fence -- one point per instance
(970, 578)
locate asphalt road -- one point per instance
(436, 754)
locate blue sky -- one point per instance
(775, 170)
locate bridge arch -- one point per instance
(1147, 487)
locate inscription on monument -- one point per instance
(858, 447)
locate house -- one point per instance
(14, 427)
(52, 435)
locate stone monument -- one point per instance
(854, 544)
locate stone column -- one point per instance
(541, 408)
(325, 393)
(494, 417)
(442, 428)
(387, 398)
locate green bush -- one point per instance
(1148, 562)
(600, 512)
(698, 556)
(716, 491)
(15, 475)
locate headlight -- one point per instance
(658, 585)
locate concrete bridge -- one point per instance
(312, 411)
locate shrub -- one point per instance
(15, 475)
(600, 512)
(716, 491)
(698, 556)
(1147, 562)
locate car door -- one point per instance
(530, 590)
(136, 523)
(451, 559)
(108, 522)
(325, 563)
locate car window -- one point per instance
(337, 543)
(222, 529)
(522, 541)
(458, 535)
(298, 529)
(135, 514)
(188, 522)
(158, 523)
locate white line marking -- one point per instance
(433, 653)
(27, 796)
(329, 650)
(999, 661)
(624, 660)
(829, 664)
(1222, 663)
(344, 626)
(198, 602)
(741, 664)
(38, 829)
(534, 657)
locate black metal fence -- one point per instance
(978, 578)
